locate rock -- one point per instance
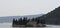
(41, 25)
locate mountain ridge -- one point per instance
(10, 18)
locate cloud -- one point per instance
(26, 7)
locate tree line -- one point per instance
(25, 20)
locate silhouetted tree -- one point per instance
(20, 21)
(33, 19)
(16, 22)
(13, 21)
(24, 20)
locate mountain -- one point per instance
(10, 18)
(52, 17)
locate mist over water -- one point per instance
(9, 25)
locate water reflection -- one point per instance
(8, 25)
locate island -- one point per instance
(25, 22)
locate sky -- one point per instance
(27, 7)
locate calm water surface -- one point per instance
(8, 25)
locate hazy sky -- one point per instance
(26, 7)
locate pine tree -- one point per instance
(16, 22)
(33, 19)
(20, 21)
(24, 20)
(13, 21)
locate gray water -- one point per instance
(8, 25)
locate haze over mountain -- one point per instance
(10, 18)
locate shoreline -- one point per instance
(29, 25)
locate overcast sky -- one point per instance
(27, 7)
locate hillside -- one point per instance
(52, 17)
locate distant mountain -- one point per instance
(52, 17)
(10, 18)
